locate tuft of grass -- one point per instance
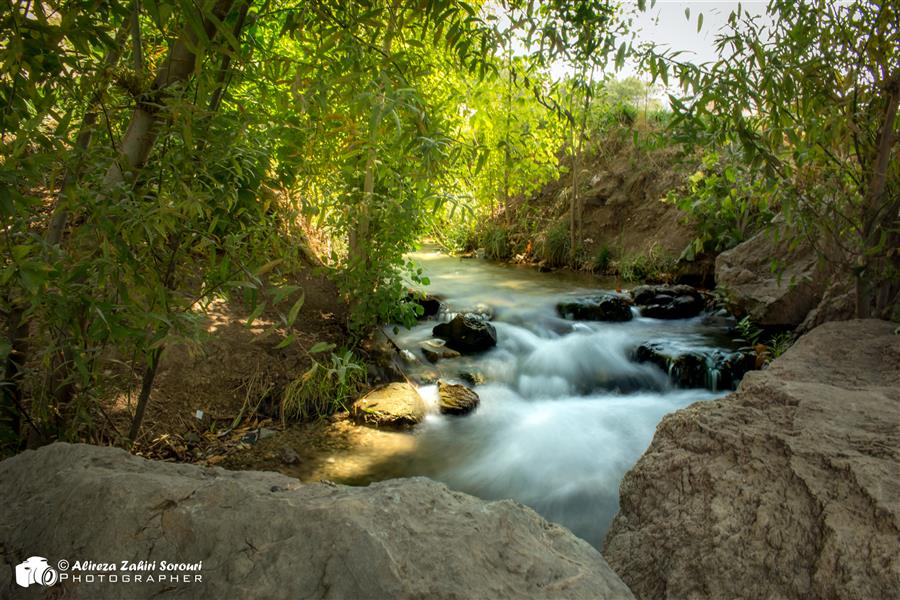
(496, 243)
(323, 389)
(553, 247)
(654, 266)
(601, 259)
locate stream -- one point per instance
(565, 411)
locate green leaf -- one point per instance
(257, 311)
(699, 22)
(321, 347)
(295, 310)
(286, 342)
(729, 174)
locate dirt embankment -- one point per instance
(626, 226)
(623, 200)
(214, 400)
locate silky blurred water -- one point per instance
(564, 410)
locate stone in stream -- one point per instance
(472, 377)
(435, 350)
(392, 405)
(431, 304)
(600, 307)
(455, 399)
(467, 334)
(711, 369)
(787, 488)
(252, 534)
(668, 302)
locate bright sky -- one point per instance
(667, 25)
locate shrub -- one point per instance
(601, 259)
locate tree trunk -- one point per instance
(360, 233)
(873, 294)
(144, 127)
(144, 396)
(72, 175)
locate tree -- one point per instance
(812, 102)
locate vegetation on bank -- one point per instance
(158, 158)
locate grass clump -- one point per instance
(553, 247)
(496, 243)
(655, 266)
(323, 389)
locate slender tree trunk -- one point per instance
(73, 173)
(507, 160)
(225, 67)
(144, 396)
(155, 355)
(359, 234)
(871, 295)
(145, 122)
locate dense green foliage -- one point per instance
(158, 156)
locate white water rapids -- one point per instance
(564, 412)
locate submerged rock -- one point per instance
(455, 399)
(393, 405)
(473, 377)
(668, 301)
(435, 350)
(785, 489)
(467, 333)
(711, 369)
(602, 307)
(264, 535)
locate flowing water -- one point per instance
(564, 412)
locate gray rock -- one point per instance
(264, 535)
(787, 488)
(288, 455)
(455, 399)
(838, 304)
(467, 333)
(668, 301)
(770, 299)
(708, 368)
(435, 350)
(601, 307)
(392, 405)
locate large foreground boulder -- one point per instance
(264, 535)
(787, 488)
(770, 298)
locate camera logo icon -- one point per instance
(36, 570)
